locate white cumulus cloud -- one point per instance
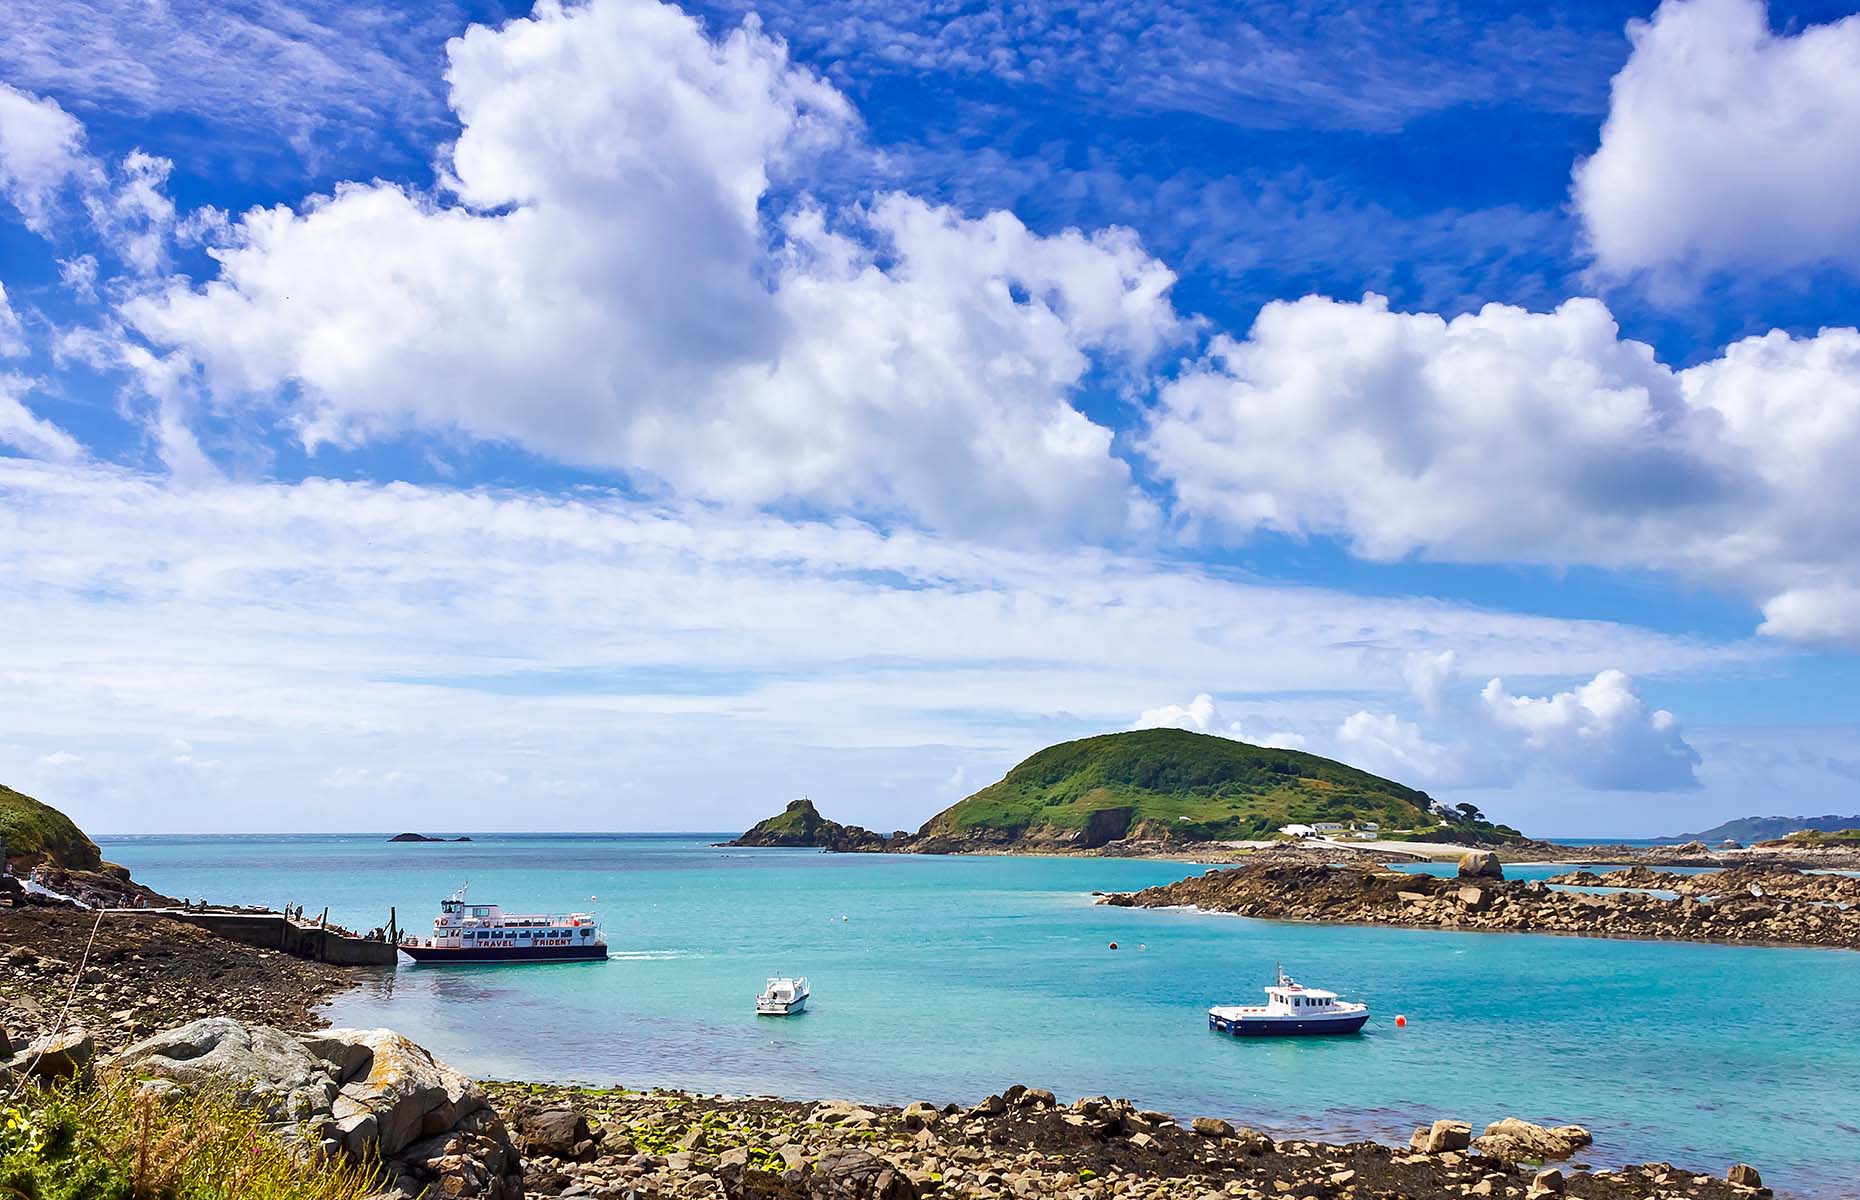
(1727, 146)
(1601, 734)
(604, 282)
(12, 330)
(41, 152)
(24, 432)
(1390, 746)
(1204, 715)
(1508, 436)
(596, 642)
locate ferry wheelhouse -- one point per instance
(1291, 1010)
(465, 932)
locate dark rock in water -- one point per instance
(414, 837)
(800, 824)
(1745, 1175)
(461, 839)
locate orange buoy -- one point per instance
(1113, 945)
(1401, 1022)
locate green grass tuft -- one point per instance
(110, 1141)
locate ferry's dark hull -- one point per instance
(498, 954)
(1289, 1028)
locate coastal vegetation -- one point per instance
(112, 1140)
(1820, 837)
(1761, 829)
(37, 833)
(1174, 785)
(1153, 789)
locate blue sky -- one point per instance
(650, 414)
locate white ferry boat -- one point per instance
(1291, 1009)
(473, 933)
(782, 997)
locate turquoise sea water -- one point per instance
(948, 978)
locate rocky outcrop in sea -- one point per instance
(800, 825)
(1753, 905)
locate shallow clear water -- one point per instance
(947, 978)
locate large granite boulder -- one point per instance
(368, 1094)
(852, 1174)
(1520, 1141)
(260, 1067)
(554, 1132)
(1441, 1137)
(1480, 864)
(53, 1057)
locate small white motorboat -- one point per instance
(1291, 1010)
(782, 997)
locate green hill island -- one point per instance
(1151, 787)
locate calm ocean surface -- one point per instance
(948, 978)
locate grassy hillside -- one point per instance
(1172, 783)
(800, 821)
(38, 833)
(1758, 829)
(1819, 837)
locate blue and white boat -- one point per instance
(1291, 1010)
(783, 997)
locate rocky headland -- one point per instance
(1765, 905)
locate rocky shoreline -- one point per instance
(375, 1094)
(581, 1142)
(148, 975)
(1776, 906)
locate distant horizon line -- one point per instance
(1578, 839)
